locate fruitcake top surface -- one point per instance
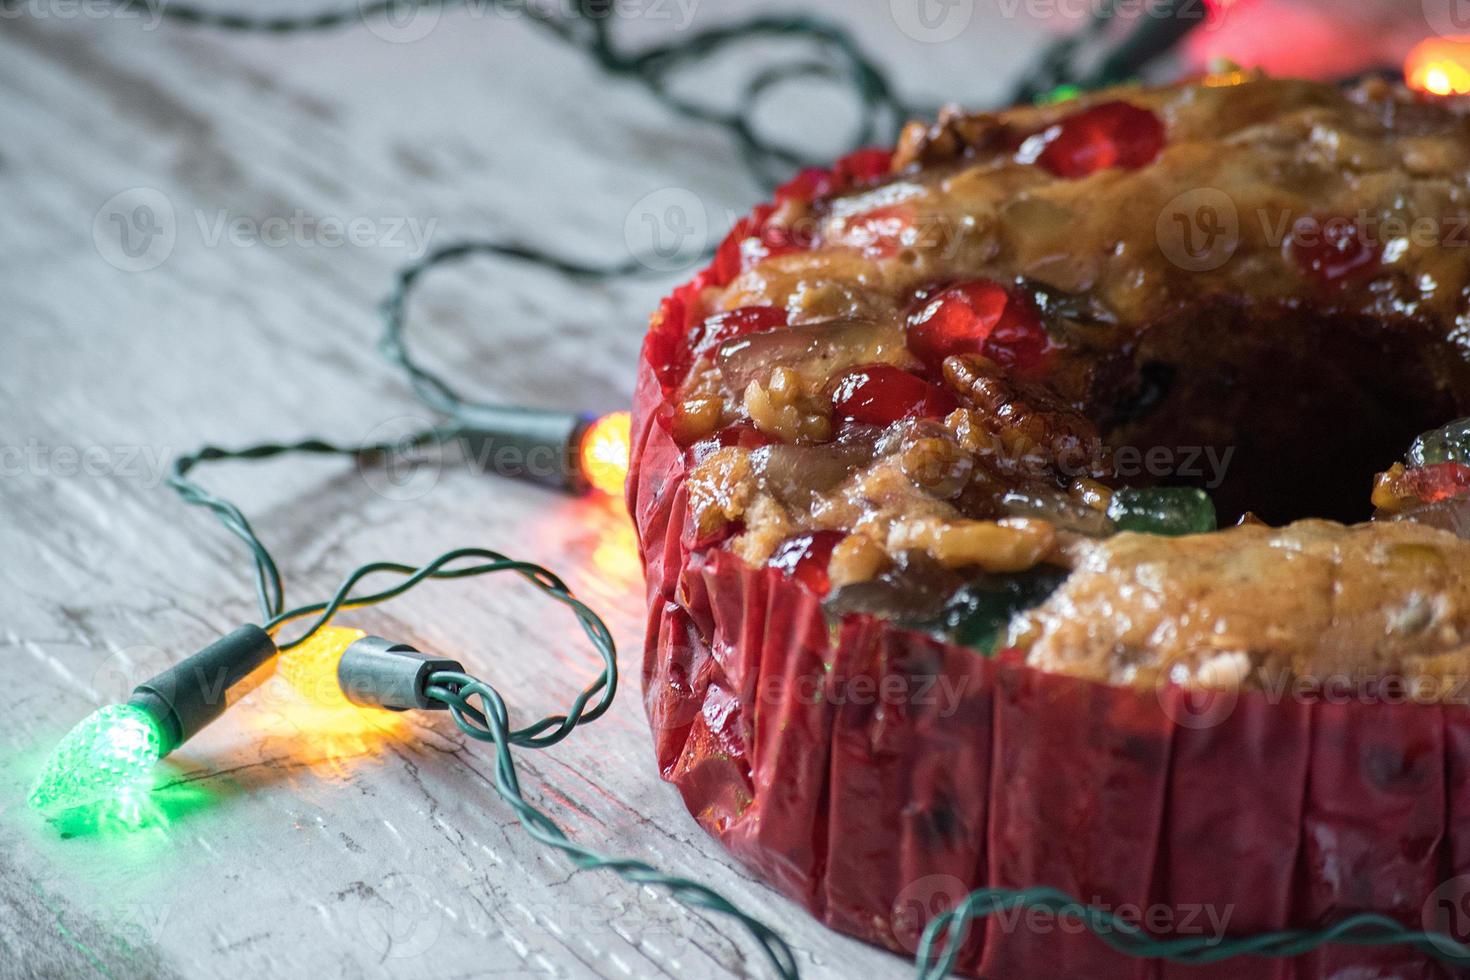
(1001, 383)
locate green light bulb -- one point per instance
(111, 751)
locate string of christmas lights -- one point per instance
(108, 757)
(577, 452)
(111, 753)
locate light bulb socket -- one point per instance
(378, 673)
(535, 444)
(195, 691)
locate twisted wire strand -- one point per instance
(943, 938)
(490, 723)
(196, 15)
(428, 386)
(269, 588)
(587, 26)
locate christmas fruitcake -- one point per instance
(968, 468)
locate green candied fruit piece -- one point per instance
(1447, 444)
(977, 615)
(1171, 511)
(1062, 93)
(111, 751)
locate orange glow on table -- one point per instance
(605, 448)
(311, 667)
(1439, 66)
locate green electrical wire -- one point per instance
(268, 586)
(586, 25)
(656, 68)
(945, 934)
(493, 723)
(430, 388)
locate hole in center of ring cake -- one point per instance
(1282, 414)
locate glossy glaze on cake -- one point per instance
(933, 381)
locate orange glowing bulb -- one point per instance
(311, 667)
(1439, 66)
(604, 452)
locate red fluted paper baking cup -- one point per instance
(877, 776)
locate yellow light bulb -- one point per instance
(1439, 66)
(311, 667)
(604, 452)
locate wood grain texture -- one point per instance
(284, 844)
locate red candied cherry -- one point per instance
(979, 317)
(857, 169)
(750, 241)
(881, 394)
(724, 327)
(865, 166)
(1111, 134)
(664, 346)
(808, 185)
(806, 558)
(661, 350)
(780, 240)
(726, 265)
(1438, 481)
(881, 231)
(1331, 250)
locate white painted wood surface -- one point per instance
(285, 844)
